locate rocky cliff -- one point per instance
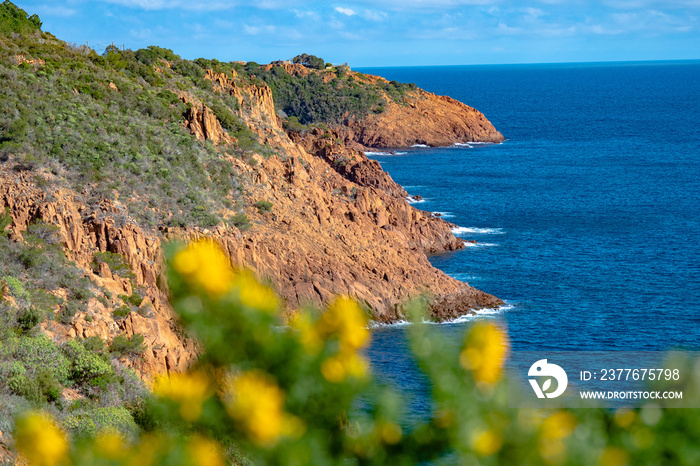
(338, 224)
(420, 118)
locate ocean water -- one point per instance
(587, 219)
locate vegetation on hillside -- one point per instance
(111, 125)
(38, 285)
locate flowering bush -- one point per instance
(268, 393)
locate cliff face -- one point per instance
(339, 225)
(425, 118)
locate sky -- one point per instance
(385, 32)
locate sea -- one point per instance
(586, 219)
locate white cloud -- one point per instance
(196, 5)
(345, 11)
(376, 16)
(256, 30)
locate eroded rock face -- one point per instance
(204, 125)
(427, 119)
(339, 225)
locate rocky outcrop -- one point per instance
(425, 118)
(83, 233)
(204, 125)
(338, 225)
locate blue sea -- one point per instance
(587, 219)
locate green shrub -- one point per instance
(68, 311)
(240, 221)
(40, 352)
(121, 312)
(263, 206)
(90, 420)
(123, 345)
(85, 365)
(26, 387)
(16, 288)
(134, 300)
(28, 318)
(49, 387)
(5, 221)
(94, 344)
(116, 262)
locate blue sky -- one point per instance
(386, 32)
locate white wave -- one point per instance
(462, 144)
(398, 323)
(368, 152)
(462, 276)
(400, 153)
(413, 187)
(479, 245)
(478, 313)
(420, 145)
(443, 214)
(457, 231)
(411, 200)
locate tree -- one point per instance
(15, 19)
(310, 61)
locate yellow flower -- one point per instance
(345, 318)
(487, 442)
(485, 352)
(110, 445)
(390, 433)
(554, 429)
(624, 417)
(255, 295)
(148, 451)
(309, 337)
(614, 456)
(204, 452)
(258, 404)
(190, 390)
(346, 364)
(204, 265)
(559, 425)
(40, 441)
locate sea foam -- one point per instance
(457, 231)
(478, 313)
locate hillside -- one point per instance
(105, 158)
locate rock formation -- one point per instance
(339, 224)
(425, 118)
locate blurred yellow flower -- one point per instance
(40, 441)
(624, 417)
(190, 390)
(258, 404)
(255, 295)
(552, 450)
(148, 450)
(309, 337)
(109, 444)
(346, 364)
(204, 264)
(614, 456)
(558, 425)
(390, 433)
(486, 347)
(486, 443)
(204, 452)
(345, 318)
